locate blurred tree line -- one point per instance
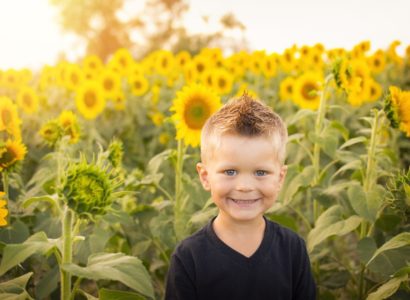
(105, 26)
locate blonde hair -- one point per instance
(248, 117)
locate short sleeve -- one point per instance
(305, 287)
(179, 285)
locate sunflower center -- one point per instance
(196, 114)
(27, 100)
(289, 89)
(7, 158)
(164, 63)
(74, 78)
(6, 116)
(90, 99)
(376, 62)
(308, 91)
(137, 84)
(222, 83)
(200, 67)
(108, 84)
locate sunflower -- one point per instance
(190, 73)
(286, 87)
(397, 107)
(122, 61)
(336, 53)
(3, 210)
(164, 62)
(269, 66)
(193, 106)
(119, 101)
(244, 89)
(375, 91)
(92, 63)
(51, 132)
(74, 77)
(110, 83)
(200, 64)
(90, 99)
(377, 62)
(257, 60)
(222, 81)
(182, 58)
(139, 84)
(27, 99)
(68, 121)
(9, 119)
(11, 78)
(306, 90)
(287, 60)
(392, 54)
(157, 118)
(62, 72)
(10, 153)
(47, 78)
(344, 76)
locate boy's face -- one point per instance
(243, 176)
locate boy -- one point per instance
(240, 254)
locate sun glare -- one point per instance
(29, 34)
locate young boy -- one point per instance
(240, 254)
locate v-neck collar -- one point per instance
(239, 257)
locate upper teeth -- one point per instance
(243, 201)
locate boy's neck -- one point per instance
(238, 228)
(243, 237)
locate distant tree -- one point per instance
(158, 26)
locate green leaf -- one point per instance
(48, 283)
(400, 240)
(155, 163)
(365, 248)
(387, 289)
(128, 270)
(17, 232)
(331, 223)
(49, 199)
(15, 288)
(301, 114)
(106, 294)
(353, 141)
(13, 254)
(352, 165)
(303, 179)
(365, 204)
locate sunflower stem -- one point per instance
(318, 128)
(67, 253)
(178, 210)
(316, 148)
(5, 178)
(370, 179)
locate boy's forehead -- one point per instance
(231, 141)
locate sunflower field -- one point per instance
(97, 161)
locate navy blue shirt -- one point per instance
(204, 267)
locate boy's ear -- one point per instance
(203, 176)
(282, 174)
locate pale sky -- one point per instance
(30, 35)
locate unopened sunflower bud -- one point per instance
(87, 188)
(115, 153)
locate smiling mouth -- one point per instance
(240, 201)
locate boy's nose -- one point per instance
(244, 185)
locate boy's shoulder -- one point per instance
(193, 242)
(204, 239)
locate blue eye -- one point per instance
(230, 172)
(260, 173)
